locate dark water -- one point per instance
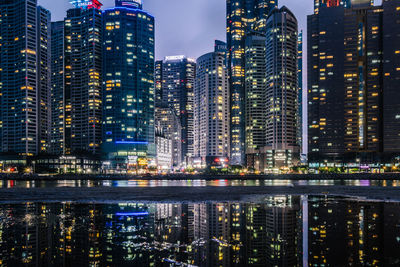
(279, 231)
(190, 183)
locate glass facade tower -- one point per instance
(57, 88)
(211, 107)
(242, 16)
(350, 97)
(83, 78)
(282, 147)
(178, 78)
(128, 96)
(24, 77)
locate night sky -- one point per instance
(186, 27)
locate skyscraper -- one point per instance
(325, 92)
(24, 77)
(128, 96)
(57, 88)
(282, 146)
(83, 77)
(300, 92)
(391, 77)
(255, 95)
(242, 16)
(211, 107)
(348, 118)
(158, 76)
(167, 121)
(44, 78)
(178, 76)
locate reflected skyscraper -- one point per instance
(211, 234)
(353, 229)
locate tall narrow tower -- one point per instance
(211, 107)
(282, 89)
(242, 16)
(83, 31)
(128, 71)
(24, 77)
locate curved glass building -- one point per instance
(128, 95)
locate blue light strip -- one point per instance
(131, 143)
(132, 214)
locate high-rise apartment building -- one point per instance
(211, 107)
(44, 78)
(242, 17)
(282, 147)
(255, 98)
(57, 144)
(391, 77)
(158, 76)
(170, 125)
(128, 74)
(24, 77)
(178, 77)
(83, 31)
(351, 103)
(300, 92)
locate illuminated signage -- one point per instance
(86, 3)
(129, 3)
(174, 58)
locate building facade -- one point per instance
(24, 78)
(158, 76)
(170, 125)
(349, 81)
(211, 107)
(178, 77)
(282, 147)
(391, 78)
(83, 31)
(300, 92)
(57, 144)
(255, 95)
(242, 16)
(164, 159)
(128, 89)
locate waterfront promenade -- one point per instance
(295, 177)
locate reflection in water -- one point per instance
(281, 231)
(190, 183)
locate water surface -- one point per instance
(281, 230)
(191, 183)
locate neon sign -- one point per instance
(129, 3)
(86, 3)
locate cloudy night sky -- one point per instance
(186, 27)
